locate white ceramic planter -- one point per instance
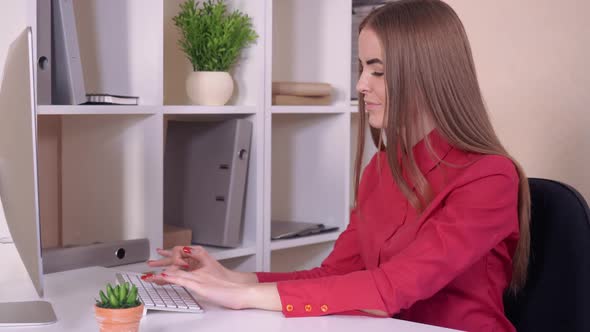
(213, 88)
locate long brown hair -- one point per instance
(429, 66)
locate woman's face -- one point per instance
(371, 82)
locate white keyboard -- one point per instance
(165, 297)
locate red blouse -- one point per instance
(448, 266)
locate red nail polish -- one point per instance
(186, 266)
(163, 274)
(187, 250)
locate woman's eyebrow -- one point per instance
(374, 61)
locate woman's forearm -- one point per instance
(244, 277)
(263, 296)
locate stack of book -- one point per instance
(301, 93)
(107, 99)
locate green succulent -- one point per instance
(211, 38)
(119, 297)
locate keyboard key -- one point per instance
(175, 298)
(161, 297)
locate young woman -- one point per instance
(440, 228)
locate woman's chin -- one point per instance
(375, 122)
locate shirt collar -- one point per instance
(429, 151)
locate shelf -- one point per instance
(191, 110)
(228, 253)
(308, 109)
(103, 165)
(304, 241)
(311, 43)
(215, 252)
(95, 109)
(139, 109)
(111, 178)
(116, 56)
(309, 168)
(247, 73)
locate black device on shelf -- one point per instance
(292, 229)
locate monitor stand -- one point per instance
(26, 313)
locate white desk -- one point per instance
(72, 294)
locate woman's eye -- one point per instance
(377, 74)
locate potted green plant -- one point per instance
(119, 309)
(212, 40)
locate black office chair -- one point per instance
(557, 294)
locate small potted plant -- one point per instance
(119, 309)
(212, 40)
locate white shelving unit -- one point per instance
(95, 110)
(304, 241)
(308, 156)
(101, 167)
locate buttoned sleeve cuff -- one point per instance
(346, 294)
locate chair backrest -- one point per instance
(557, 294)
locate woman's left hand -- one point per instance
(197, 258)
(223, 292)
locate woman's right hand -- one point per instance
(197, 258)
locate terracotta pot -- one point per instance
(212, 88)
(118, 320)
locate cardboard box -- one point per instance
(176, 236)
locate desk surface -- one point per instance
(72, 294)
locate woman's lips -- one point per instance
(371, 106)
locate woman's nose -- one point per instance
(361, 85)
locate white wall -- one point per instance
(532, 58)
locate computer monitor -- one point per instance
(19, 186)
